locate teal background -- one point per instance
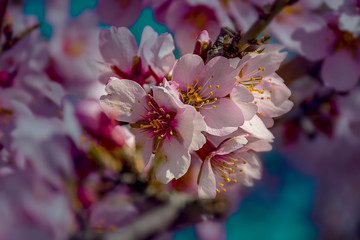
(278, 207)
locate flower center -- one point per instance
(157, 124)
(194, 95)
(227, 168)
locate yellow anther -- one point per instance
(214, 106)
(202, 102)
(270, 79)
(161, 109)
(252, 79)
(235, 181)
(200, 87)
(221, 184)
(271, 91)
(148, 113)
(228, 180)
(167, 115)
(113, 228)
(171, 133)
(255, 102)
(259, 68)
(139, 101)
(261, 113)
(217, 190)
(197, 80)
(240, 170)
(244, 161)
(262, 98)
(210, 86)
(207, 101)
(217, 86)
(154, 112)
(211, 93)
(268, 97)
(263, 69)
(224, 189)
(169, 144)
(131, 110)
(215, 99)
(212, 76)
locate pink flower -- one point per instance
(69, 49)
(206, 87)
(119, 13)
(164, 125)
(122, 58)
(339, 50)
(293, 17)
(231, 163)
(188, 18)
(257, 74)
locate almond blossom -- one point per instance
(189, 17)
(334, 45)
(206, 87)
(165, 126)
(145, 64)
(257, 74)
(232, 161)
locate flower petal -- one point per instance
(118, 47)
(340, 71)
(223, 119)
(187, 69)
(207, 181)
(123, 100)
(175, 161)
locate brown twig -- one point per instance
(264, 21)
(3, 5)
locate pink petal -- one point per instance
(340, 71)
(190, 125)
(257, 128)
(243, 98)
(315, 44)
(217, 72)
(118, 47)
(122, 101)
(166, 100)
(231, 145)
(207, 181)
(214, 118)
(187, 69)
(176, 161)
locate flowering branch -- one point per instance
(264, 20)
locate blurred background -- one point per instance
(298, 198)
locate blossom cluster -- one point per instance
(213, 113)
